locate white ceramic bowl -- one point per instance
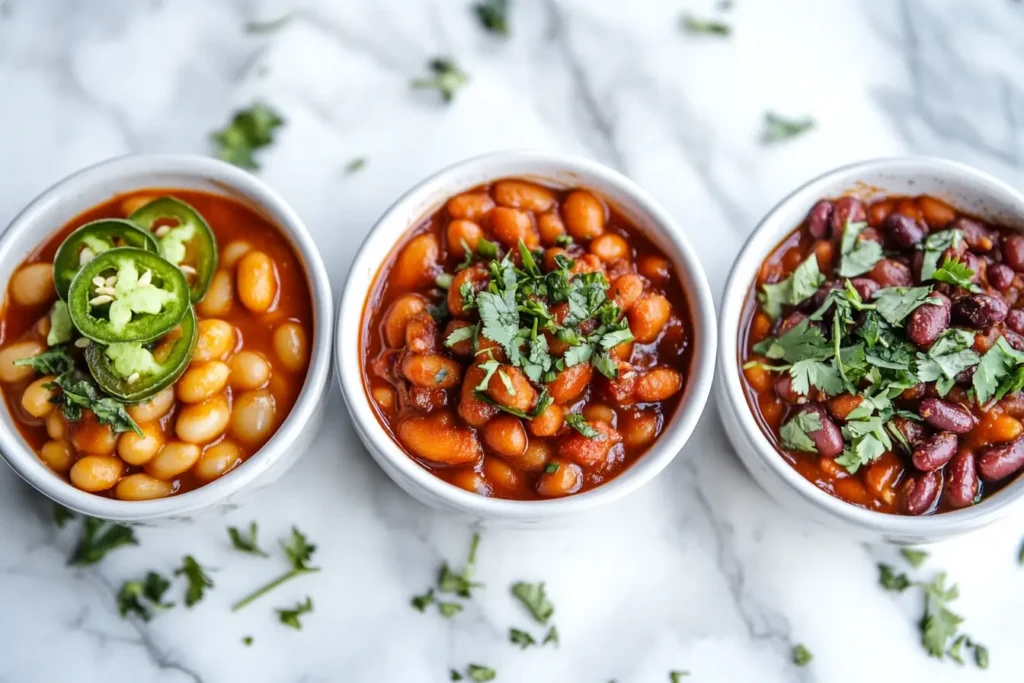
(96, 184)
(966, 189)
(558, 171)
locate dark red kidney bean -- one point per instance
(980, 310)
(999, 462)
(818, 219)
(784, 389)
(977, 266)
(1013, 339)
(829, 439)
(978, 238)
(866, 287)
(946, 416)
(1015, 320)
(902, 231)
(846, 210)
(891, 273)
(935, 452)
(790, 321)
(1013, 252)
(966, 376)
(1000, 276)
(913, 431)
(926, 323)
(819, 296)
(915, 392)
(1013, 404)
(921, 492)
(961, 480)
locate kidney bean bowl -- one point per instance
(878, 379)
(523, 336)
(158, 333)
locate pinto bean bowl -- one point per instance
(910, 431)
(614, 362)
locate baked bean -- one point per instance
(648, 317)
(505, 436)
(935, 452)
(58, 456)
(200, 382)
(589, 452)
(142, 487)
(436, 438)
(203, 422)
(511, 225)
(549, 422)
(175, 458)
(625, 290)
(946, 415)
(138, 450)
(519, 194)
(472, 410)
(291, 346)
(384, 397)
(9, 372)
(477, 277)
(401, 311)
(216, 340)
(609, 247)
(550, 228)
(517, 393)
(32, 285)
(927, 322)
(657, 384)
(996, 463)
(824, 252)
(233, 253)
(758, 378)
(639, 428)
(487, 349)
(499, 473)
(461, 235)
(89, 436)
(599, 412)
(921, 493)
(433, 371)
(153, 409)
(961, 480)
(472, 481)
(537, 454)
(416, 263)
(248, 370)
(132, 204)
(584, 215)
(56, 425)
(551, 258)
(980, 310)
(36, 397)
(257, 281)
(253, 416)
(95, 473)
(937, 213)
(587, 263)
(878, 211)
(464, 348)
(217, 460)
(818, 219)
(561, 478)
(471, 206)
(220, 297)
(881, 476)
(570, 383)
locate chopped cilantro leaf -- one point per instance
(552, 467)
(61, 515)
(250, 130)
(580, 424)
(290, 617)
(913, 556)
(551, 637)
(493, 15)
(777, 128)
(299, 551)
(142, 597)
(460, 334)
(520, 638)
(421, 602)
(858, 256)
(940, 624)
(535, 600)
(995, 367)
(955, 273)
(479, 673)
(99, 538)
(449, 609)
(460, 583)
(798, 287)
(53, 361)
(801, 655)
(247, 544)
(890, 580)
(934, 245)
(197, 580)
(795, 434)
(446, 78)
(710, 27)
(894, 304)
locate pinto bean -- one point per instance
(1013, 252)
(935, 452)
(979, 238)
(472, 410)
(829, 439)
(588, 452)
(961, 480)
(1000, 276)
(946, 415)
(902, 231)
(657, 384)
(477, 277)
(431, 370)
(570, 383)
(921, 492)
(926, 323)
(437, 438)
(999, 462)
(980, 310)
(890, 273)
(818, 219)
(846, 210)
(522, 396)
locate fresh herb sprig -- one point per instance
(197, 580)
(246, 543)
(299, 551)
(290, 616)
(446, 78)
(493, 16)
(777, 128)
(249, 131)
(142, 598)
(98, 539)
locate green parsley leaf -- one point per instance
(460, 334)
(99, 538)
(795, 434)
(421, 602)
(677, 676)
(61, 515)
(61, 328)
(552, 467)
(802, 342)
(355, 165)
(247, 544)
(299, 552)
(955, 273)
(449, 609)
(479, 673)
(709, 27)
(454, 675)
(954, 651)
(290, 617)
(78, 394)
(577, 354)
(857, 256)
(994, 368)
(981, 656)
(580, 424)
(197, 579)
(808, 373)
(247, 641)
(894, 304)
(500, 317)
(777, 128)
(493, 15)
(445, 77)
(250, 130)
(551, 637)
(151, 589)
(460, 583)
(940, 624)
(890, 580)
(951, 354)
(801, 655)
(535, 600)
(795, 289)
(606, 365)
(520, 638)
(934, 245)
(915, 558)
(53, 361)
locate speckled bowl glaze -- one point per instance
(96, 184)
(557, 171)
(967, 189)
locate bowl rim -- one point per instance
(431, 193)
(257, 195)
(778, 222)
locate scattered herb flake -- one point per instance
(711, 27)
(801, 655)
(520, 638)
(778, 128)
(677, 676)
(355, 165)
(552, 467)
(421, 602)
(551, 637)
(480, 673)
(53, 361)
(247, 544)
(580, 424)
(449, 609)
(61, 515)
(78, 394)
(445, 77)
(462, 583)
(795, 434)
(858, 256)
(98, 539)
(250, 130)
(915, 558)
(535, 600)
(939, 624)
(493, 15)
(151, 589)
(197, 579)
(299, 551)
(247, 641)
(892, 581)
(264, 27)
(290, 617)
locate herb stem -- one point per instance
(263, 590)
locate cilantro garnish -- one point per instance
(777, 128)
(197, 580)
(460, 583)
(250, 130)
(795, 289)
(940, 624)
(677, 676)
(993, 376)
(480, 673)
(580, 424)
(78, 394)
(894, 304)
(535, 600)
(142, 597)
(795, 434)
(493, 15)
(61, 515)
(98, 539)
(449, 609)
(552, 467)
(710, 27)
(955, 273)
(551, 637)
(247, 544)
(801, 655)
(891, 580)
(53, 361)
(421, 602)
(934, 245)
(460, 334)
(299, 552)
(445, 77)
(915, 558)
(520, 638)
(857, 256)
(290, 617)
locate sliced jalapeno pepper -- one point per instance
(127, 295)
(133, 371)
(184, 238)
(91, 240)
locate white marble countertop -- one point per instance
(699, 571)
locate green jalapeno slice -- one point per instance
(127, 295)
(184, 238)
(91, 240)
(133, 372)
